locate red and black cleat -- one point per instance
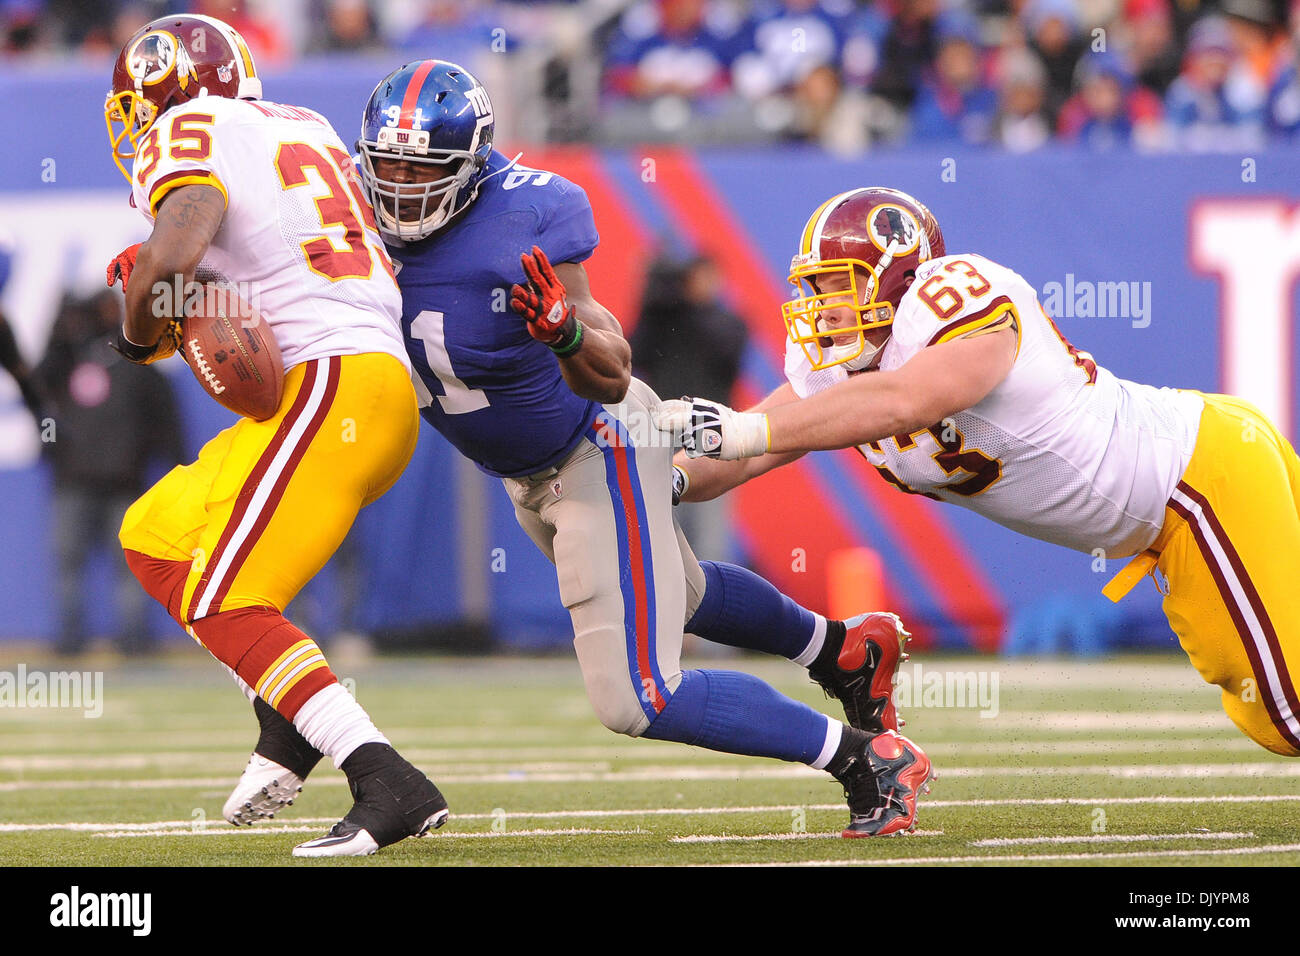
(899, 773)
(862, 676)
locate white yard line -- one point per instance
(560, 755)
(926, 804)
(761, 837)
(658, 773)
(1037, 857)
(1089, 721)
(1131, 771)
(442, 835)
(1109, 801)
(1090, 838)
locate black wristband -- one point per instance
(129, 350)
(570, 343)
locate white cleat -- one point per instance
(265, 788)
(351, 839)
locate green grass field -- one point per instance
(1127, 762)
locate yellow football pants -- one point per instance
(267, 503)
(1230, 550)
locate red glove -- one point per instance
(122, 264)
(551, 320)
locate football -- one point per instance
(231, 351)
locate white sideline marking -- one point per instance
(925, 804)
(1034, 857)
(745, 838)
(715, 772)
(558, 756)
(1072, 747)
(274, 830)
(10, 786)
(1127, 771)
(152, 827)
(1090, 721)
(1110, 838)
(1109, 801)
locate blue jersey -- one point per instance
(493, 390)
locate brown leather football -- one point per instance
(231, 351)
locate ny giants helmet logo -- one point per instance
(890, 222)
(155, 55)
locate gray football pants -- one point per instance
(626, 573)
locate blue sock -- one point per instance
(743, 610)
(739, 714)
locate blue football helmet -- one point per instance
(429, 113)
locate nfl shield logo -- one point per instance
(555, 488)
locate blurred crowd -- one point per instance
(845, 74)
(105, 426)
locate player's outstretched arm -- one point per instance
(707, 478)
(557, 304)
(188, 218)
(937, 382)
(602, 369)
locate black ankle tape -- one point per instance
(393, 798)
(280, 741)
(852, 744)
(827, 656)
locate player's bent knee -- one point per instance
(162, 580)
(616, 706)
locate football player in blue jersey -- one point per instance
(544, 400)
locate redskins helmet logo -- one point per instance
(155, 55)
(889, 223)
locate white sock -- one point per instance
(809, 653)
(834, 731)
(333, 722)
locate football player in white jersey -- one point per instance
(265, 196)
(949, 377)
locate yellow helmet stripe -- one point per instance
(247, 57)
(235, 40)
(813, 235)
(805, 244)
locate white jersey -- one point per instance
(298, 240)
(1060, 450)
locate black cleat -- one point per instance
(882, 784)
(393, 801)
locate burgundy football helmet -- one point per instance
(172, 60)
(876, 238)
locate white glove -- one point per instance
(712, 430)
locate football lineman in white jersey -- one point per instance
(950, 378)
